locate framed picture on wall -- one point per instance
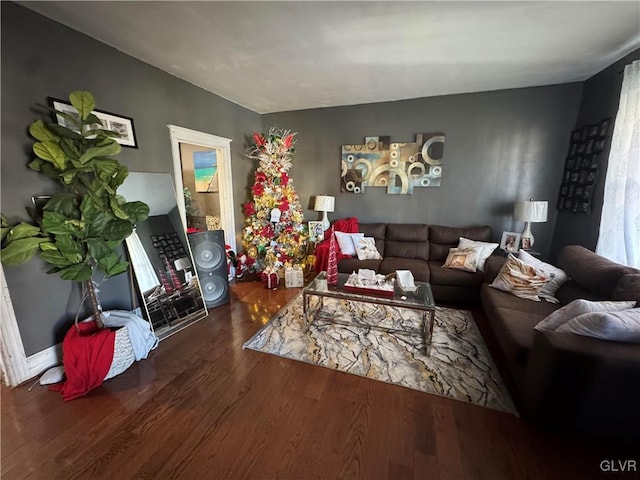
(110, 121)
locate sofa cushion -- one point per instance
(441, 239)
(465, 259)
(377, 231)
(447, 276)
(485, 249)
(406, 240)
(419, 268)
(557, 276)
(492, 299)
(597, 274)
(520, 279)
(579, 307)
(366, 249)
(627, 288)
(571, 291)
(514, 331)
(347, 242)
(622, 326)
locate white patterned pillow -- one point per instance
(620, 326)
(485, 249)
(465, 259)
(520, 279)
(347, 242)
(367, 250)
(578, 307)
(557, 276)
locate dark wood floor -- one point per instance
(201, 407)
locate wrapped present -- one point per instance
(270, 279)
(293, 277)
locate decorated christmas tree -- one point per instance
(274, 233)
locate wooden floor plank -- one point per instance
(202, 407)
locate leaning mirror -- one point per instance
(161, 257)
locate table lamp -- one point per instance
(324, 204)
(529, 212)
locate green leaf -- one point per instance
(53, 222)
(136, 211)
(83, 102)
(119, 178)
(112, 148)
(117, 210)
(117, 230)
(118, 268)
(55, 258)
(77, 273)
(4, 231)
(108, 262)
(92, 119)
(70, 149)
(98, 248)
(63, 203)
(51, 152)
(23, 230)
(64, 131)
(40, 132)
(106, 168)
(98, 224)
(47, 246)
(36, 164)
(21, 251)
(68, 246)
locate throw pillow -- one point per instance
(520, 279)
(486, 249)
(347, 242)
(578, 307)
(462, 259)
(620, 326)
(557, 276)
(367, 250)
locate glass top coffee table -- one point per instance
(420, 300)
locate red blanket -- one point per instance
(347, 225)
(87, 357)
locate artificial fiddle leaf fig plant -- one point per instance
(80, 226)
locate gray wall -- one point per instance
(41, 58)
(500, 147)
(599, 101)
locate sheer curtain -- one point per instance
(146, 275)
(619, 238)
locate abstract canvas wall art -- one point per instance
(397, 166)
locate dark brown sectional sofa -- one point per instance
(563, 379)
(422, 249)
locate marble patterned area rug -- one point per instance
(458, 365)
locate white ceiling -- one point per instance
(278, 56)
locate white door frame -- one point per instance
(227, 216)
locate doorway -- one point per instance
(202, 173)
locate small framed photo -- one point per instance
(510, 241)
(316, 232)
(110, 121)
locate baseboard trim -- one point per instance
(41, 361)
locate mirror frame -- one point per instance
(227, 215)
(180, 323)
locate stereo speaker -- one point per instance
(210, 258)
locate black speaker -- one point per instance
(210, 258)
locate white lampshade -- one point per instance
(324, 203)
(530, 211)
